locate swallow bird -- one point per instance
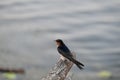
(65, 52)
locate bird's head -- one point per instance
(59, 42)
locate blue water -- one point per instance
(90, 28)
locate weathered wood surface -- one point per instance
(60, 70)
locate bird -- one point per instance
(65, 52)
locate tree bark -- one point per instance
(60, 70)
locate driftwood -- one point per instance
(60, 70)
(5, 70)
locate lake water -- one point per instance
(91, 28)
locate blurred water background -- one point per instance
(91, 28)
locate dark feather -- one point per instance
(64, 51)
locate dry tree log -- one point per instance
(5, 70)
(60, 70)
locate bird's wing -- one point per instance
(63, 53)
(69, 56)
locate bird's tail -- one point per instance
(78, 64)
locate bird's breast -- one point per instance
(62, 57)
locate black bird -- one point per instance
(65, 52)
